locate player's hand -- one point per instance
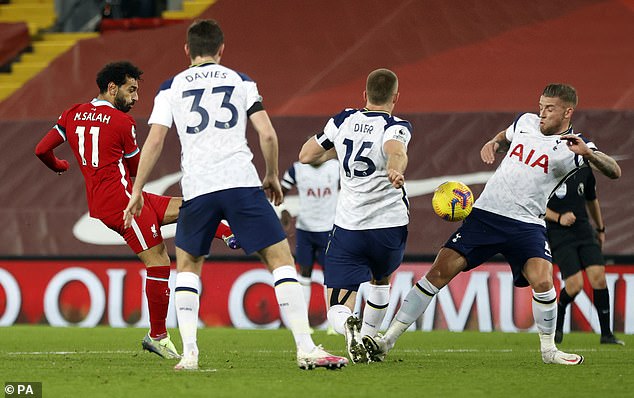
(576, 145)
(487, 153)
(61, 166)
(396, 178)
(133, 209)
(567, 219)
(273, 190)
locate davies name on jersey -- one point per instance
(206, 75)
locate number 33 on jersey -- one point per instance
(210, 105)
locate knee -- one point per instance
(574, 285)
(596, 277)
(542, 285)
(598, 283)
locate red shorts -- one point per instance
(145, 231)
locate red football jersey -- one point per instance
(101, 136)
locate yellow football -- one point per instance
(452, 201)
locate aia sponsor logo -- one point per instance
(529, 157)
(319, 192)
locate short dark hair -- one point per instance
(380, 86)
(564, 92)
(204, 37)
(118, 73)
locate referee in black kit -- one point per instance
(576, 246)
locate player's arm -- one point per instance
(149, 156)
(312, 151)
(44, 151)
(397, 159)
(566, 218)
(133, 164)
(594, 210)
(497, 144)
(326, 156)
(269, 147)
(597, 159)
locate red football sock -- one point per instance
(157, 292)
(223, 230)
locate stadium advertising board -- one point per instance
(88, 293)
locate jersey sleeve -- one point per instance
(400, 131)
(130, 147)
(54, 138)
(327, 138)
(162, 111)
(510, 131)
(253, 96)
(44, 150)
(288, 181)
(60, 126)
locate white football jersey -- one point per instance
(531, 170)
(208, 103)
(367, 199)
(318, 188)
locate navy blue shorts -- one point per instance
(310, 247)
(484, 234)
(354, 257)
(248, 211)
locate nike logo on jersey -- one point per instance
(548, 320)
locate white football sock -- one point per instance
(306, 283)
(337, 316)
(293, 306)
(414, 305)
(545, 316)
(187, 302)
(375, 308)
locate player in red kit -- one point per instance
(102, 137)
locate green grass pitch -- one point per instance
(107, 362)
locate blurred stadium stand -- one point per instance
(466, 70)
(53, 27)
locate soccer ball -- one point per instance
(452, 201)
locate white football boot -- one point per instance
(319, 358)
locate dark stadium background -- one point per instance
(466, 70)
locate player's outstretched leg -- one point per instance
(377, 347)
(161, 347)
(354, 345)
